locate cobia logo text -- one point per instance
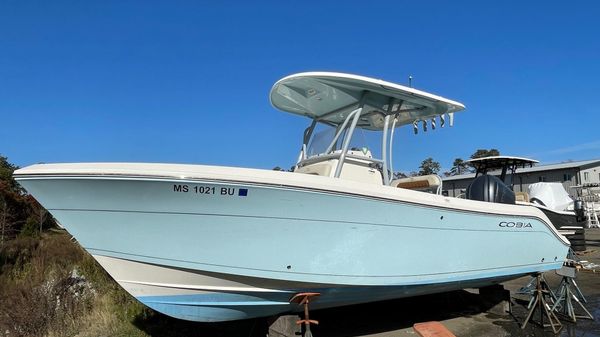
(511, 224)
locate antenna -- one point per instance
(410, 81)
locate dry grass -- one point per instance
(51, 287)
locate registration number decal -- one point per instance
(210, 190)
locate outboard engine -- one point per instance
(491, 189)
(579, 211)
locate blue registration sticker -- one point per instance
(242, 192)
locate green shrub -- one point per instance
(31, 228)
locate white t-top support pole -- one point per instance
(338, 169)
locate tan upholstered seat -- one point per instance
(522, 196)
(430, 182)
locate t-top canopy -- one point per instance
(330, 97)
(498, 162)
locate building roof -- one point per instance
(582, 164)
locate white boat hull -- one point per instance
(213, 243)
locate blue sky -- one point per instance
(188, 81)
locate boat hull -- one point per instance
(562, 219)
(568, 221)
(209, 297)
(211, 249)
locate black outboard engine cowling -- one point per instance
(491, 189)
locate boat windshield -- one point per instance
(362, 140)
(321, 138)
(367, 141)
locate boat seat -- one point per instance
(522, 196)
(353, 169)
(430, 183)
(324, 169)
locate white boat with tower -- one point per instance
(212, 243)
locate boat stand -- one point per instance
(304, 299)
(567, 292)
(530, 288)
(540, 299)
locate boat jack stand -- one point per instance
(530, 288)
(567, 292)
(540, 298)
(304, 299)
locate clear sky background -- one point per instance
(188, 81)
